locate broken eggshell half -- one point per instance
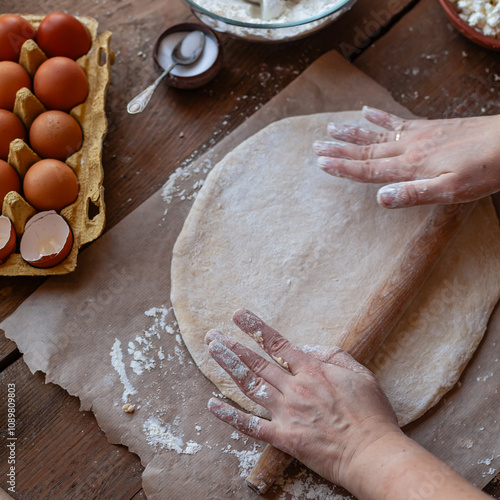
(47, 240)
(7, 238)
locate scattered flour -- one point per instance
(145, 354)
(304, 486)
(247, 458)
(118, 364)
(483, 379)
(488, 461)
(162, 435)
(262, 392)
(176, 186)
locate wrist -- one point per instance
(372, 468)
(395, 467)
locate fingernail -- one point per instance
(213, 403)
(333, 127)
(212, 335)
(246, 319)
(388, 196)
(367, 110)
(324, 162)
(324, 147)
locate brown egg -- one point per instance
(60, 83)
(12, 78)
(55, 134)
(11, 127)
(9, 181)
(14, 31)
(62, 34)
(50, 185)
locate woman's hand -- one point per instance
(323, 412)
(425, 161)
(332, 415)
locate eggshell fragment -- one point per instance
(47, 240)
(7, 238)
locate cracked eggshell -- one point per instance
(47, 240)
(7, 238)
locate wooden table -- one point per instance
(408, 46)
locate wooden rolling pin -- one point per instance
(381, 312)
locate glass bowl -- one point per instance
(267, 31)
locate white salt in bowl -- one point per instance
(203, 71)
(298, 19)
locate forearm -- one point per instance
(397, 468)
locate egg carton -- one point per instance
(86, 216)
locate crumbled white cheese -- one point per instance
(483, 15)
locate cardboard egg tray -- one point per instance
(86, 163)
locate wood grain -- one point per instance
(60, 451)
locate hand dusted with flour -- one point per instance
(427, 161)
(271, 232)
(310, 417)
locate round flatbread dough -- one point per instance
(270, 232)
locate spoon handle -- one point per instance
(139, 103)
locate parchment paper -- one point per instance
(76, 327)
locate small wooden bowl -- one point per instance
(195, 81)
(467, 30)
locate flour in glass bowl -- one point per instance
(291, 11)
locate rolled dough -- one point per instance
(270, 232)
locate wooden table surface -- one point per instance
(408, 46)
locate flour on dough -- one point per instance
(270, 232)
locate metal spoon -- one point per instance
(186, 52)
(270, 9)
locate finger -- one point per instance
(335, 149)
(252, 385)
(356, 135)
(282, 351)
(257, 364)
(419, 192)
(384, 119)
(250, 425)
(379, 171)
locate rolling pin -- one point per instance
(381, 312)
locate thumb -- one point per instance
(419, 192)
